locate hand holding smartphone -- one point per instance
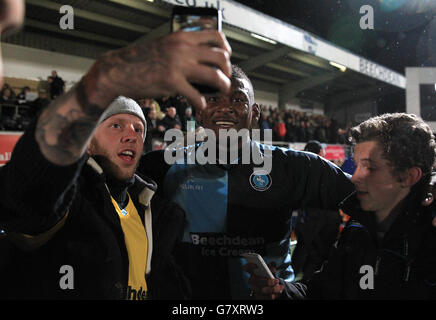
(262, 269)
(190, 19)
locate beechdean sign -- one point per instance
(293, 37)
(379, 72)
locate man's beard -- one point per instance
(112, 170)
(109, 167)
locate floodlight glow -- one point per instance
(263, 38)
(339, 66)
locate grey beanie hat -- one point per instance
(124, 105)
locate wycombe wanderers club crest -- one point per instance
(260, 180)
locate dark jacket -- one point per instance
(38, 196)
(403, 263)
(152, 133)
(316, 231)
(38, 105)
(57, 87)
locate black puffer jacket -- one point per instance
(36, 195)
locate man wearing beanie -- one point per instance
(61, 210)
(109, 236)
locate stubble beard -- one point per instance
(110, 168)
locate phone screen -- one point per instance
(191, 19)
(194, 22)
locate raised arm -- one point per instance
(145, 69)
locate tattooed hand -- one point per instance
(167, 66)
(163, 67)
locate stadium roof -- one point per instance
(285, 59)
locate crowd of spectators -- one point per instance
(17, 110)
(297, 126)
(286, 125)
(164, 114)
(171, 112)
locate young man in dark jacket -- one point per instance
(388, 248)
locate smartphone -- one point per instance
(262, 269)
(190, 19)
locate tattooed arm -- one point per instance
(163, 67)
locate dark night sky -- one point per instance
(404, 30)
